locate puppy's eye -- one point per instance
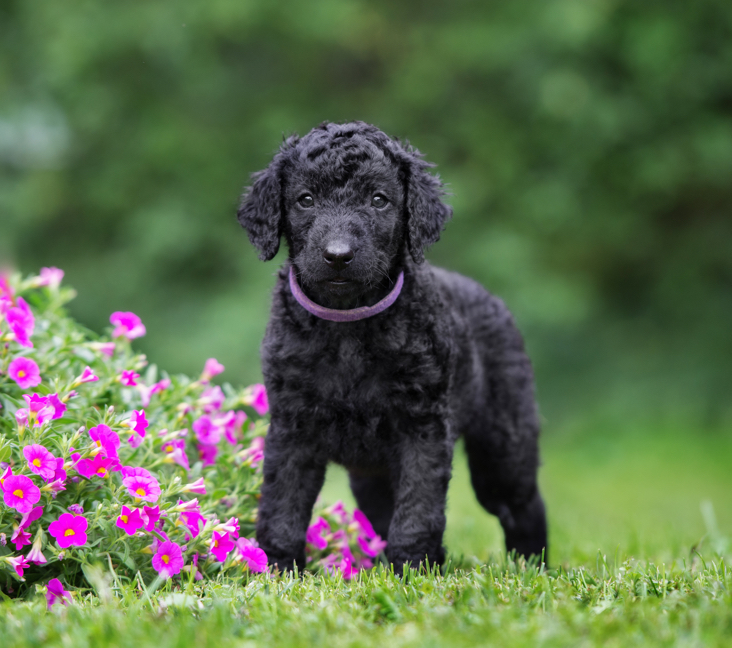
(306, 200)
(379, 201)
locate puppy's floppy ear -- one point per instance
(260, 211)
(426, 212)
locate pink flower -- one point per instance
(69, 530)
(20, 493)
(197, 487)
(146, 393)
(40, 461)
(50, 277)
(176, 449)
(59, 408)
(105, 439)
(212, 399)
(221, 545)
(97, 466)
(143, 488)
(35, 555)
(75, 508)
(19, 564)
(206, 432)
(227, 423)
(255, 452)
(60, 474)
(168, 560)
(25, 372)
(363, 523)
(30, 517)
(314, 535)
(86, 376)
(208, 454)
(129, 378)
(105, 348)
(255, 557)
(40, 410)
(212, 368)
(372, 546)
(150, 516)
(127, 325)
(191, 516)
(136, 471)
(21, 322)
(139, 424)
(56, 593)
(130, 520)
(340, 512)
(259, 399)
(21, 538)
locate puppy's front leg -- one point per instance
(416, 530)
(293, 478)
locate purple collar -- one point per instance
(352, 315)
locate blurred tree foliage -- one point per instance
(587, 145)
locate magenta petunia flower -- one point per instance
(69, 530)
(60, 474)
(206, 432)
(254, 557)
(86, 376)
(259, 399)
(254, 454)
(55, 593)
(39, 411)
(363, 523)
(208, 454)
(138, 422)
(21, 322)
(197, 487)
(150, 516)
(340, 512)
(212, 368)
(25, 372)
(191, 516)
(40, 461)
(35, 555)
(129, 378)
(130, 520)
(136, 471)
(143, 488)
(315, 533)
(106, 439)
(75, 508)
(20, 493)
(212, 399)
(59, 408)
(226, 422)
(372, 546)
(168, 560)
(20, 538)
(127, 325)
(221, 545)
(97, 466)
(105, 348)
(176, 450)
(30, 517)
(50, 277)
(19, 564)
(146, 393)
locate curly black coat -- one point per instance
(386, 396)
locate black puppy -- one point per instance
(379, 361)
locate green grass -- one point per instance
(639, 555)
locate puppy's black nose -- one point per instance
(338, 255)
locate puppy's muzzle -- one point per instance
(338, 255)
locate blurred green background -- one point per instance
(587, 145)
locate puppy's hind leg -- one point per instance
(375, 498)
(506, 487)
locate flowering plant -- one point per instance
(104, 459)
(341, 542)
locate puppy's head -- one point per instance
(347, 199)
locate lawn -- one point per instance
(639, 527)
